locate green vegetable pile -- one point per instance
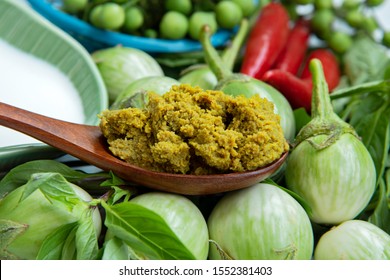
(45, 215)
(168, 19)
(338, 23)
(330, 199)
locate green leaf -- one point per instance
(119, 194)
(86, 238)
(53, 246)
(113, 180)
(76, 240)
(145, 232)
(371, 120)
(54, 187)
(388, 160)
(116, 249)
(9, 230)
(381, 215)
(69, 251)
(365, 61)
(362, 89)
(301, 118)
(180, 59)
(388, 185)
(19, 175)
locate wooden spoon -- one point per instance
(87, 143)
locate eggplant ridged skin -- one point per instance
(261, 222)
(184, 218)
(354, 240)
(337, 182)
(121, 65)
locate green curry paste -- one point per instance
(189, 130)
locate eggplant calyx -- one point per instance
(290, 252)
(333, 130)
(193, 68)
(221, 252)
(137, 100)
(9, 231)
(236, 77)
(324, 120)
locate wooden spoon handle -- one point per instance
(66, 136)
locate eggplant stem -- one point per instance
(230, 54)
(214, 61)
(320, 103)
(324, 120)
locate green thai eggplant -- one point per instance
(135, 95)
(199, 75)
(262, 222)
(329, 166)
(353, 240)
(119, 66)
(46, 211)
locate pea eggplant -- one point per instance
(241, 84)
(329, 166)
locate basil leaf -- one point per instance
(53, 246)
(69, 251)
(116, 249)
(144, 231)
(381, 215)
(371, 120)
(54, 187)
(388, 185)
(365, 61)
(375, 86)
(76, 240)
(301, 118)
(120, 193)
(113, 180)
(86, 238)
(82, 244)
(20, 174)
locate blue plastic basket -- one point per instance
(93, 38)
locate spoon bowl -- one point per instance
(87, 143)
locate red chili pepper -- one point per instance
(297, 91)
(293, 54)
(330, 65)
(266, 40)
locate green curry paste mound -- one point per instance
(189, 130)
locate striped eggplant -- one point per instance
(329, 166)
